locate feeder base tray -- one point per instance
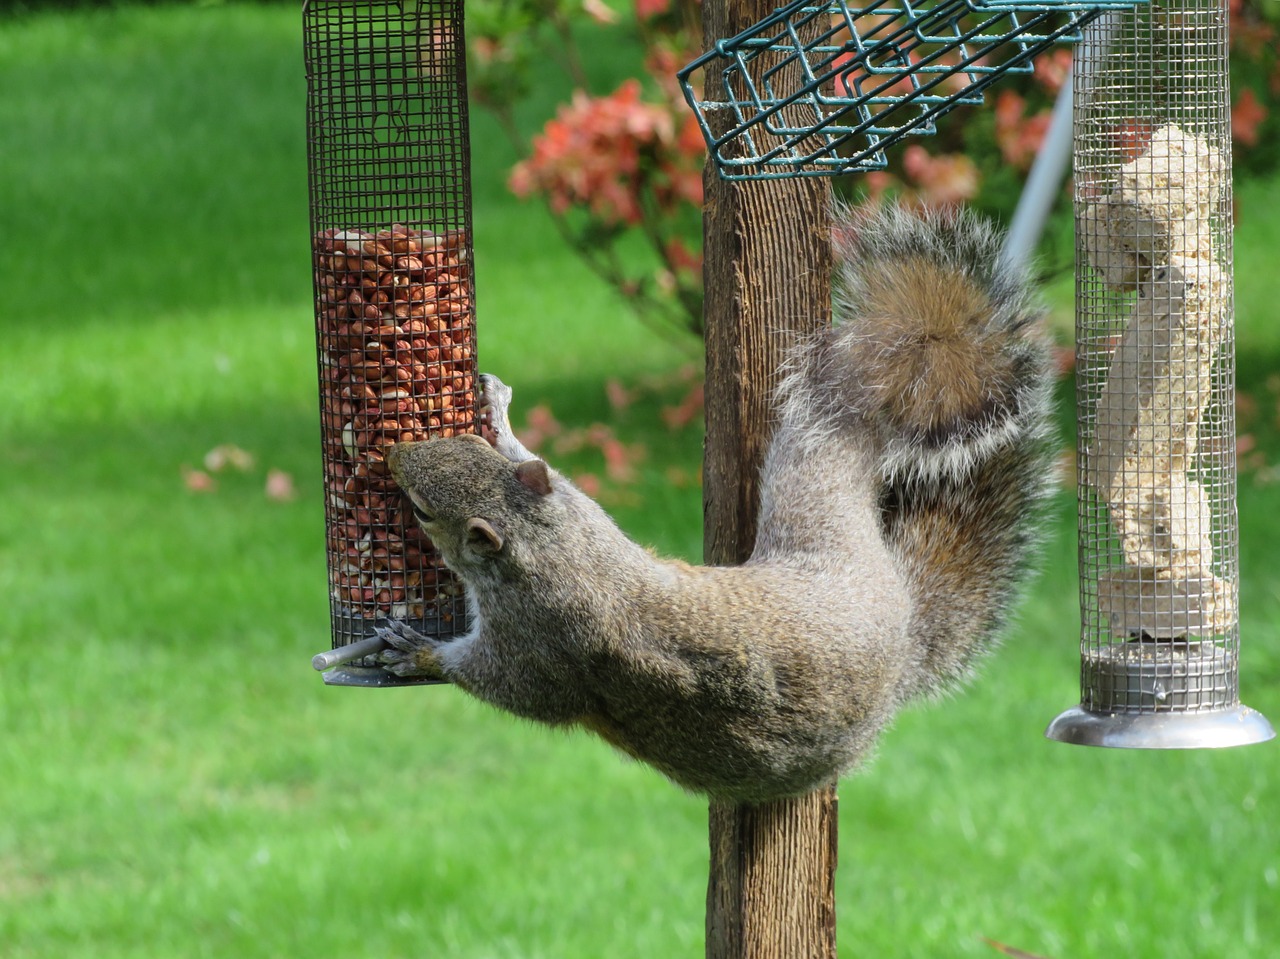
(1216, 729)
(1146, 695)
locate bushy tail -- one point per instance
(937, 351)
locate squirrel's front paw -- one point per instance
(408, 652)
(495, 422)
(494, 393)
(495, 401)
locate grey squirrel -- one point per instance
(899, 500)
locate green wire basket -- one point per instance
(824, 90)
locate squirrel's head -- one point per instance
(465, 494)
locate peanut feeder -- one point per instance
(390, 200)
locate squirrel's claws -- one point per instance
(400, 635)
(409, 652)
(492, 388)
(490, 392)
(495, 401)
(495, 422)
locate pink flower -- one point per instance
(540, 425)
(681, 257)
(601, 153)
(942, 181)
(679, 416)
(879, 182)
(1247, 115)
(647, 9)
(280, 486)
(598, 11)
(1053, 68)
(1018, 135)
(198, 481)
(619, 396)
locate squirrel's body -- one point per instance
(897, 501)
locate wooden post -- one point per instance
(767, 269)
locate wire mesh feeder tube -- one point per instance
(390, 197)
(1155, 386)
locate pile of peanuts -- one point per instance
(396, 339)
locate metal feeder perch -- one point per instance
(822, 90)
(1155, 386)
(390, 198)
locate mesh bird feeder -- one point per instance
(1155, 385)
(390, 200)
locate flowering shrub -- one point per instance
(609, 154)
(607, 165)
(613, 167)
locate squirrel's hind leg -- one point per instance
(495, 403)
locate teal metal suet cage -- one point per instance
(823, 90)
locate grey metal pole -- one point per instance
(1043, 185)
(1052, 161)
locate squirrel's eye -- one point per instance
(422, 515)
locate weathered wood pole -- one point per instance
(767, 269)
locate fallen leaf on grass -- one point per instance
(280, 486)
(1010, 950)
(198, 481)
(228, 454)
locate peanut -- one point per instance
(396, 357)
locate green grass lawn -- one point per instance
(176, 781)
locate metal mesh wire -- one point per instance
(390, 205)
(1155, 361)
(868, 74)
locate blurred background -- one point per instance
(175, 780)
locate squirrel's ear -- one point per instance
(533, 475)
(483, 536)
